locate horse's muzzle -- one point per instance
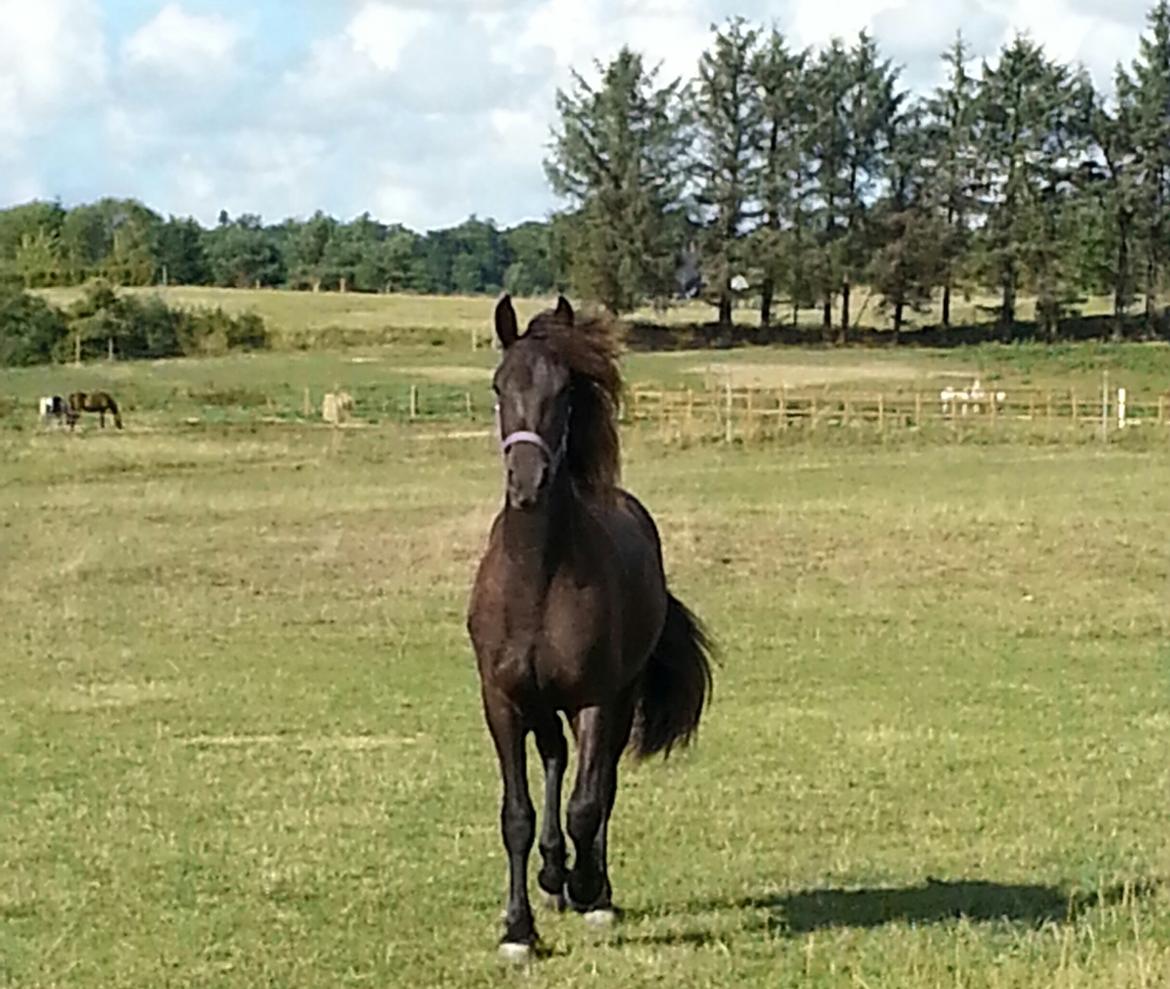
(527, 476)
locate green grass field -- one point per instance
(242, 742)
(432, 353)
(240, 736)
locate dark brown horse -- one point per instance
(95, 401)
(570, 613)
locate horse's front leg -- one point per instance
(618, 746)
(517, 822)
(554, 753)
(601, 736)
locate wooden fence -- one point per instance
(747, 413)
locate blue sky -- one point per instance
(420, 112)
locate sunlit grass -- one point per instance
(242, 742)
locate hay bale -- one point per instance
(336, 407)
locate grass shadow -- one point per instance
(934, 902)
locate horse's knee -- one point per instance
(583, 818)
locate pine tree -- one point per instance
(908, 260)
(828, 85)
(726, 113)
(1112, 175)
(1148, 93)
(782, 178)
(855, 97)
(1027, 132)
(616, 159)
(954, 162)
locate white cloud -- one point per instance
(420, 110)
(666, 32)
(52, 61)
(381, 31)
(175, 42)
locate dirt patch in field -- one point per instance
(109, 695)
(807, 375)
(451, 374)
(349, 743)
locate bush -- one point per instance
(213, 331)
(33, 332)
(30, 328)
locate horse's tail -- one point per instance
(675, 686)
(114, 409)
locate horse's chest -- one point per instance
(549, 647)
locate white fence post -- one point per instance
(1121, 408)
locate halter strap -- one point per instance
(525, 436)
(554, 457)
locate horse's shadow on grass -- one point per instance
(934, 902)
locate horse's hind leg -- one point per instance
(517, 821)
(554, 753)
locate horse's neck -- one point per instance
(537, 542)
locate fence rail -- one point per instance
(746, 412)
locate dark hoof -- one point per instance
(601, 901)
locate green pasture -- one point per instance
(240, 735)
(242, 742)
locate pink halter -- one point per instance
(554, 457)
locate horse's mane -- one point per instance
(589, 347)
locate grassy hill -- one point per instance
(330, 319)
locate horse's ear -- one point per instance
(507, 328)
(564, 310)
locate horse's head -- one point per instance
(532, 386)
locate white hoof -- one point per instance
(515, 954)
(600, 918)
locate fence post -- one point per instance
(1104, 405)
(917, 409)
(1076, 412)
(467, 399)
(881, 413)
(783, 410)
(414, 401)
(1121, 408)
(308, 403)
(727, 408)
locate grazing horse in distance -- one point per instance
(97, 401)
(52, 407)
(570, 613)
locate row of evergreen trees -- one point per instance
(805, 173)
(43, 244)
(811, 173)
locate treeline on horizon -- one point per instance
(801, 174)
